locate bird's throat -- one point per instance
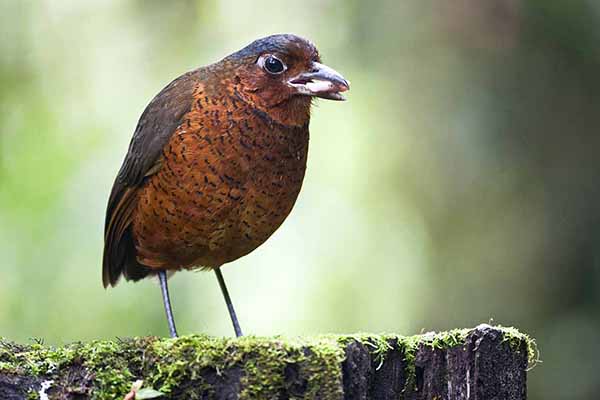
(294, 111)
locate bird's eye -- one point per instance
(273, 65)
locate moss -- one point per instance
(380, 344)
(105, 358)
(458, 337)
(35, 359)
(109, 362)
(33, 395)
(261, 365)
(262, 361)
(515, 339)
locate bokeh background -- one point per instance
(460, 183)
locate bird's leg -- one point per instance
(162, 277)
(234, 320)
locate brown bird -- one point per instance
(215, 164)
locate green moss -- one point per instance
(458, 337)
(33, 395)
(109, 362)
(105, 358)
(35, 359)
(515, 339)
(180, 366)
(409, 345)
(378, 345)
(262, 362)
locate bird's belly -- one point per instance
(186, 219)
(247, 226)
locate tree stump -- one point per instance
(483, 363)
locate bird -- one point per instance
(215, 164)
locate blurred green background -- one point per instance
(458, 184)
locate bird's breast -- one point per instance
(229, 176)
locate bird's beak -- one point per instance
(321, 81)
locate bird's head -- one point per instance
(280, 75)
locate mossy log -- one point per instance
(484, 363)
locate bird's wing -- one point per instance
(156, 125)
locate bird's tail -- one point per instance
(120, 259)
